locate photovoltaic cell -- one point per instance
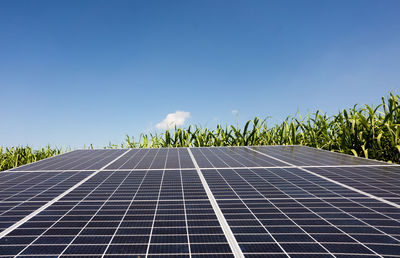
(232, 157)
(306, 156)
(69, 156)
(154, 159)
(296, 216)
(277, 201)
(75, 160)
(127, 212)
(22, 193)
(38, 186)
(382, 181)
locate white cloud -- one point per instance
(235, 112)
(173, 119)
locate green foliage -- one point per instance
(17, 156)
(366, 132)
(361, 131)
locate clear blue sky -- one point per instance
(81, 72)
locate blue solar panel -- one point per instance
(201, 202)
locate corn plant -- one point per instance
(17, 156)
(361, 131)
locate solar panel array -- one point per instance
(276, 201)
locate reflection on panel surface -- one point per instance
(306, 156)
(291, 211)
(154, 159)
(382, 181)
(221, 157)
(23, 192)
(151, 202)
(75, 160)
(125, 212)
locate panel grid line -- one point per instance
(254, 216)
(224, 224)
(20, 222)
(155, 212)
(65, 214)
(369, 178)
(124, 216)
(334, 181)
(11, 178)
(35, 162)
(318, 214)
(273, 206)
(347, 212)
(244, 198)
(236, 201)
(323, 199)
(23, 182)
(28, 200)
(339, 153)
(91, 219)
(207, 168)
(45, 161)
(184, 207)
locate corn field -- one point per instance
(361, 131)
(17, 156)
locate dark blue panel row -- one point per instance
(125, 212)
(272, 183)
(154, 159)
(141, 185)
(221, 157)
(75, 160)
(22, 193)
(218, 157)
(37, 186)
(381, 181)
(292, 211)
(306, 156)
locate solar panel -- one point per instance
(306, 156)
(284, 201)
(381, 181)
(75, 160)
